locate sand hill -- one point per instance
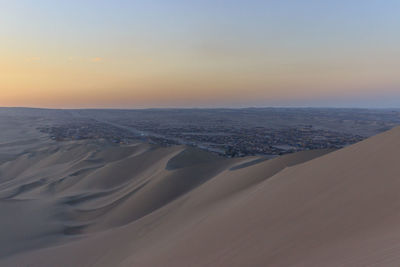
(91, 203)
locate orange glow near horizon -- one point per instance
(48, 59)
(83, 83)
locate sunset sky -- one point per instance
(199, 53)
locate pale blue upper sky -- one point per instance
(282, 52)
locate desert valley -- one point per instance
(96, 203)
(199, 133)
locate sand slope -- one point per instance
(91, 203)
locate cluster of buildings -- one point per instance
(240, 141)
(225, 140)
(87, 130)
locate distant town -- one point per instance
(225, 141)
(230, 133)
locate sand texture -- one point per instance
(92, 203)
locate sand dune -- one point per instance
(92, 203)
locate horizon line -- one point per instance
(206, 108)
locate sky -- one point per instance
(199, 53)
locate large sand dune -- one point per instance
(91, 203)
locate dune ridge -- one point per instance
(92, 203)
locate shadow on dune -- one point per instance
(91, 186)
